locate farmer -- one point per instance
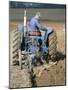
(35, 25)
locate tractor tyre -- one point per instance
(15, 45)
(52, 45)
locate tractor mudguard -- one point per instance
(48, 31)
(20, 27)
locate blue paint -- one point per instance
(20, 27)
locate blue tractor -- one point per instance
(37, 48)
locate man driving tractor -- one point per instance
(33, 41)
(35, 25)
(35, 28)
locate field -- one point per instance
(54, 75)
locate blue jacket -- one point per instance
(34, 25)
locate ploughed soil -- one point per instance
(55, 75)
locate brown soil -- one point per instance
(54, 75)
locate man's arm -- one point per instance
(38, 25)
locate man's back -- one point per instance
(34, 24)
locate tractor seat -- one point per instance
(34, 33)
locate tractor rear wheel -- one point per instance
(52, 45)
(14, 46)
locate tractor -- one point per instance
(32, 49)
(39, 48)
